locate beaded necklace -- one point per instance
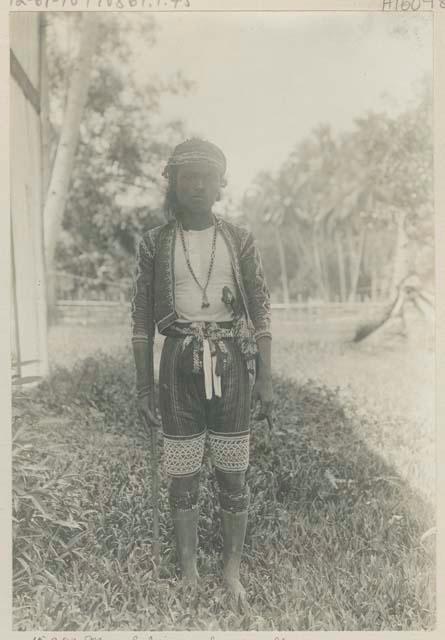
(205, 301)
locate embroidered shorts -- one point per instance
(187, 416)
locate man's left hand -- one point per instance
(262, 393)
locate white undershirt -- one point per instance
(188, 296)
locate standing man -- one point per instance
(200, 279)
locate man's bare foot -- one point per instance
(187, 588)
(235, 588)
(189, 580)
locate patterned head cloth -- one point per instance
(196, 150)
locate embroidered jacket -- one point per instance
(153, 299)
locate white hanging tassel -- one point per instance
(207, 367)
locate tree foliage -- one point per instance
(347, 213)
(354, 210)
(116, 187)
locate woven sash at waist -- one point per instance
(204, 329)
(209, 354)
(204, 341)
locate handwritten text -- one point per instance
(155, 5)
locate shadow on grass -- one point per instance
(334, 539)
(343, 526)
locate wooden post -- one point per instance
(153, 438)
(45, 132)
(16, 309)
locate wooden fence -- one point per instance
(316, 311)
(115, 312)
(71, 287)
(83, 300)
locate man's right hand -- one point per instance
(148, 417)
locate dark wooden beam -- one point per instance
(20, 76)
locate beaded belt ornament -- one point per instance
(210, 354)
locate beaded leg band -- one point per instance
(235, 501)
(183, 502)
(230, 451)
(183, 455)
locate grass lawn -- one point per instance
(341, 520)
